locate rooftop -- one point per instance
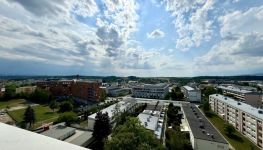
(159, 85)
(123, 105)
(201, 128)
(58, 131)
(240, 105)
(234, 89)
(188, 88)
(151, 121)
(13, 138)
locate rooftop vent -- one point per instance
(260, 111)
(238, 103)
(203, 131)
(212, 136)
(216, 94)
(201, 125)
(145, 124)
(207, 134)
(148, 119)
(225, 98)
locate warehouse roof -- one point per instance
(200, 127)
(13, 138)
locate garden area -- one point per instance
(236, 139)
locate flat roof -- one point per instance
(234, 89)
(151, 122)
(123, 105)
(58, 131)
(188, 88)
(82, 139)
(14, 138)
(152, 86)
(196, 119)
(243, 106)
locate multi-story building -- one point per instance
(245, 118)
(247, 96)
(26, 89)
(152, 118)
(156, 91)
(117, 91)
(202, 133)
(191, 94)
(82, 91)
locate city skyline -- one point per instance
(122, 38)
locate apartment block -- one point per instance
(247, 96)
(191, 94)
(82, 91)
(245, 118)
(26, 89)
(155, 91)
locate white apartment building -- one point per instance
(245, 118)
(203, 136)
(156, 91)
(191, 94)
(247, 96)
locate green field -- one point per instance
(43, 115)
(238, 141)
(12, 103)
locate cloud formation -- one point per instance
(157, 33)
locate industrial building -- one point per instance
(191, 94)
(248, 96)
(202, 133)
(82, 91)
(115, 91)
(13, 138)
(155, 91)
(245, 118)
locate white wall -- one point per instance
(209, 145)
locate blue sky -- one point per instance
(128, 37)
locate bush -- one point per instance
(68, 118)
(66, 106)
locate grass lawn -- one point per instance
(238, 141)
(43, 115)
(12, 103)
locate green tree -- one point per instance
(206, 106)
(53, 105)
(40, 96)
(102, 126)
(103, 95)
(208, 91)
(229, 129)
(29, 116)
(68, 118)
(65, 106)
(132, 135)
(176, 140)
(10, 91)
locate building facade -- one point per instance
(155, 91)
(245, 118)
(26, 89)
(191, 94)
(83, 91)
(250, 97)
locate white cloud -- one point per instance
(191, 21)
(157, 33)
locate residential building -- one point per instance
(245, 118)
(202, 133)
(26, 89)
(191, 94)
(155, 91)
(125, 105)
(14, 138)
(82, 91)
(244, 95)
(152, 118)
(115, 91)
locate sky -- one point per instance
(171, 38)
